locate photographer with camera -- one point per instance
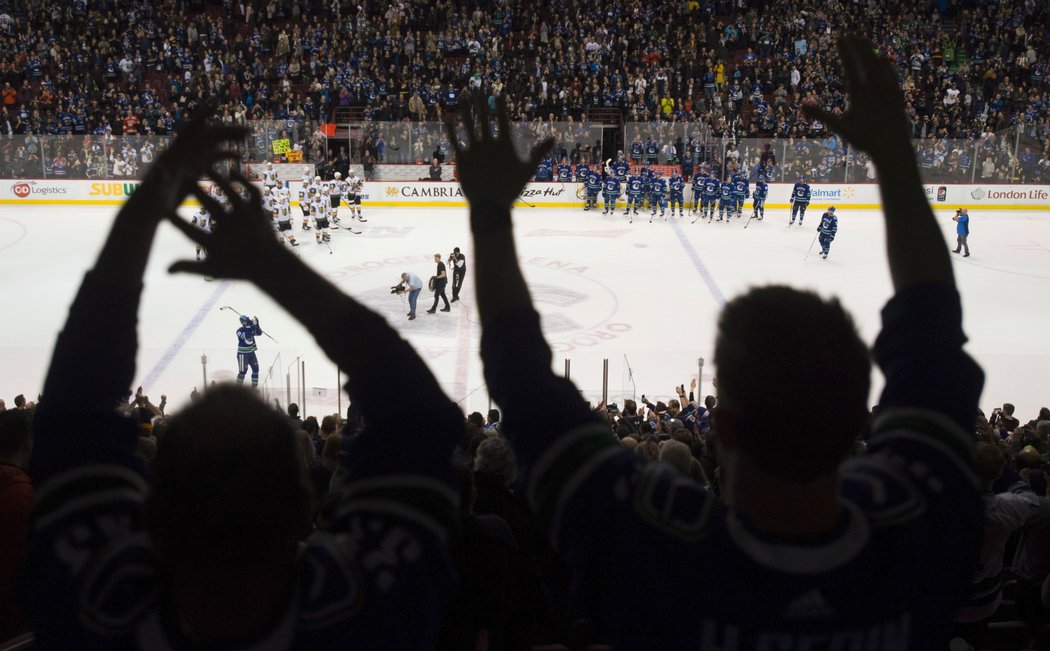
(962, 230)
(412, 284)
(459, 271)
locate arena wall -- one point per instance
(859, 196)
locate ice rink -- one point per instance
(643, 295)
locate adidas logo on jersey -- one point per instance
(810, 605)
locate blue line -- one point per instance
(187, 332)
(701, 268)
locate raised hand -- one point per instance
(242, 236)
(198, 145)
(876, 121)
(490, 172)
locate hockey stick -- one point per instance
(325, 242)
(748, 223)
(810, 249)
(239, 313)
(699, 216)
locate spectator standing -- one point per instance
(601, 504)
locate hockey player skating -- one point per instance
(593, 188)
(829, 226)
(634, 194)
(356, 188)
(611, 193)
(741, 191)
(658, 199)
(800, 194)
(726, 201)
(246, 348)
(676, 192)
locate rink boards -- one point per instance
(860, 196)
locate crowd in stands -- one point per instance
(545, 521)
(977, 73)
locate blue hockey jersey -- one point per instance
(800, 193)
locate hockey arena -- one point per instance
(643, 295)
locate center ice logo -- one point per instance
(21, 190)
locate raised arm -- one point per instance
(378, 362)
(94, 358)
(920, 347)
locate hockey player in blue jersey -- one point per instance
(647, 184)
(741, 191)
(544, 171)
(565, 171)
(611, 193)
(634, 193)
(726, 200)
(652, 150)
(582, 169)
(246, 348)
(758, 199)
(676, 192)
(698, 187)
(712, 190)
(637, 148)
(829, 226)
(659, 196)
(620, 167)
(593, 188)
(799, 200)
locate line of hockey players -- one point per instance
(646, 189)
(319, 202)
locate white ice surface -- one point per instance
(645, 293)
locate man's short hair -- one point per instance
(1042, 429)
(676, 454)
(496, 458)
(988, 461)
(1008, 408)
(229, 486)
(796, 376)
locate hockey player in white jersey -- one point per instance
(202, 220)
(319, 211)
(282, 216)
(355, 188)
(269, 177)
(336, 188)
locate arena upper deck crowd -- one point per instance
(735, 69)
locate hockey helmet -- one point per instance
(317, 179)
(831, 208)
(246, 320)
(338, 175)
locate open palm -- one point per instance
(489, 169)
(875, 121)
